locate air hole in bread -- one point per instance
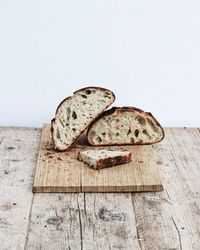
(99, 139)
(74, 129)
(88, 92)
(68, 110)
(74, 115)
(58, 134)
(136, 133)
(84, 96)
(144, 131)
(129, 131)
(106, 96)
(103, 134)
(117, 134)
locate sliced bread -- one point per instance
(126, 125)
(99, 159)
(75, 113)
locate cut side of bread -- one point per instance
(99, 159)
(126, 125)
(75, 113)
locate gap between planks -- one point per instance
(18, 149)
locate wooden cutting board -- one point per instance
(62, 172)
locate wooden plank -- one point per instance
(186, 156)
(18, 149)
(170, 220)
(194, 134)
(82, 221)
(185, 136)
(167, 220)
(62, 172)
(162, 224)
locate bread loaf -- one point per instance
(76, 112)
(126, 125)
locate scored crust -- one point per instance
(118, 111)
(81, 131)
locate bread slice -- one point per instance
(126, 125)
(76, 112)
(99, 159)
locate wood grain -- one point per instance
(101, 221)
(82, 221)
(18, 149)
(62, 172)
(171, 219)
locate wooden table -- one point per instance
(165, 220)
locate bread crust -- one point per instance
(71, 97)
(113, 161)
(119, 110)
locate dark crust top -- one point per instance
(70, 97)
(126, 109)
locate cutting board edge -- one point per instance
(99, 189)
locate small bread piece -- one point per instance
(126, 125)
(75, 113)
(99, 159)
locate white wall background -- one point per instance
(148, 52)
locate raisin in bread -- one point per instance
(126, 125)
(76, 112)
(99, 159)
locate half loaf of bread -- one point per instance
(75, 113)
(126, 125)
